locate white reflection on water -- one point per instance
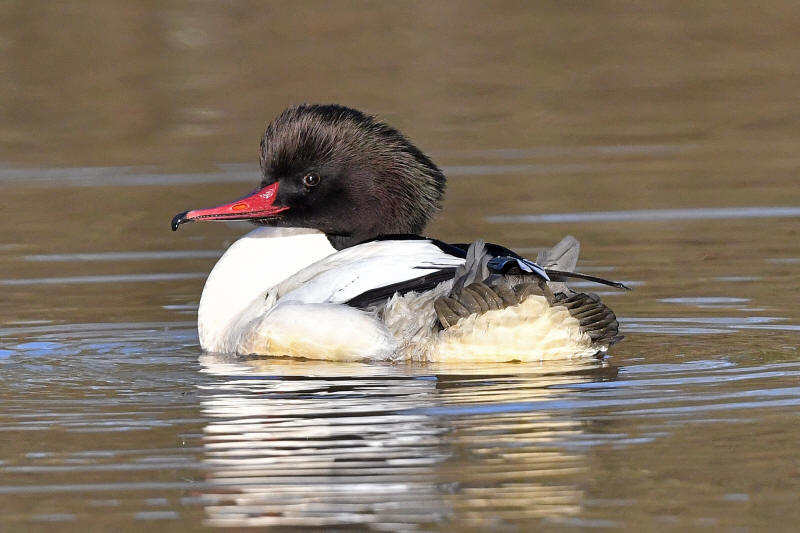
(315, 444)
(125, 256)
(248, 173)
(110, 278)
(645, 215)
(704, 325)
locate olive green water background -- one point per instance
(664, 136)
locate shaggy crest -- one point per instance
(389, 171)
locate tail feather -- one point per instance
(595, 318)
(558, 275)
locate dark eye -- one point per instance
(311, 180)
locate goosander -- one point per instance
(337, 270)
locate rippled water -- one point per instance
(663, 137)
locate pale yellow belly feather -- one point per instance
(530, 331)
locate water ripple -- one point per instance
(108, 278)
(285, 443)
(649, 215)
(125, 256)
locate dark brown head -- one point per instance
(335, 169)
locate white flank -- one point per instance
(317, 331)
(282, 292)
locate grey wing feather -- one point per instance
(562, 256)
(474, 268)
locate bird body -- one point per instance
(336, 269)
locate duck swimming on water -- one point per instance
(337, 269)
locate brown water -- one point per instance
(665, 137)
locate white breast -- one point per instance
(259, 260)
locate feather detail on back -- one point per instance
(512, 281)
(475, 267)
(563, 256)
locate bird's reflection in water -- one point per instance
(316, 444)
